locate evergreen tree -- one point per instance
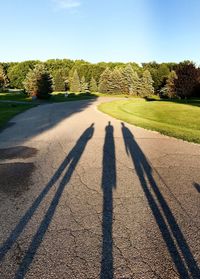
(105, 81)
(39, 82)
(117, 84)
(84, 85)
(93, 85)
(128, 79)
(135, 86)
(170, 86)
(75, 85)
(59, 80)
(146, 86)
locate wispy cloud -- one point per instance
(67, 4)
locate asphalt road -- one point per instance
(85, 196)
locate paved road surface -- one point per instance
(85, 196)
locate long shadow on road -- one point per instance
(42, 118)
(108, 183)
(174, 239)
(71, 162)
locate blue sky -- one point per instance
(100, 30)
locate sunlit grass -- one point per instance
(172, 118)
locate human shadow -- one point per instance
(108, 184)
(174, 239)
(70, 161)
(196, 186)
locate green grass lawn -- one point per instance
(8, 110)
(20, 97)
(179, 119)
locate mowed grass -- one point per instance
(173, 118)
(19, 97)
(8, 110)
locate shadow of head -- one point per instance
(196, 186)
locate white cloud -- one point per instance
(67, 4)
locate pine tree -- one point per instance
(39, 82)
(59, 81)
(146, 86)
(117, 84)
(84, 85)
(75, 85)
(93, 85)
(170, 85)
(134, 88)
(129, 78)
(105, 81)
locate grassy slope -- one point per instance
(7, 111)
(170, 118)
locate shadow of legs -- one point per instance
(171, 233)
(108, 183)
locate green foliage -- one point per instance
(116, 84)
(188, 78)
(75, 85)
(105, 81)
(59, 78)
(84, 85)
(2, 78)
(93, 85)
(146, 85)
(17, 73)
(159, 73)
(130, 80)
(169, 89)
(39, 82)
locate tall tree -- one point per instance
(105, 81)
(131, 80)
(3, 78)
(170, 85)
(128, 79)
(17, 73)
(93, 85)
(117, 84)
(146, 85)
(59, 78)
(84, 85)
(39, 82)
(134, 88)
(188, 78)
(75, 85)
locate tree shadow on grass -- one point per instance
(108, 184)
(68, 165)
(175, 241)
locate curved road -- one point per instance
(85, 196)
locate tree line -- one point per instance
(169, 80)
